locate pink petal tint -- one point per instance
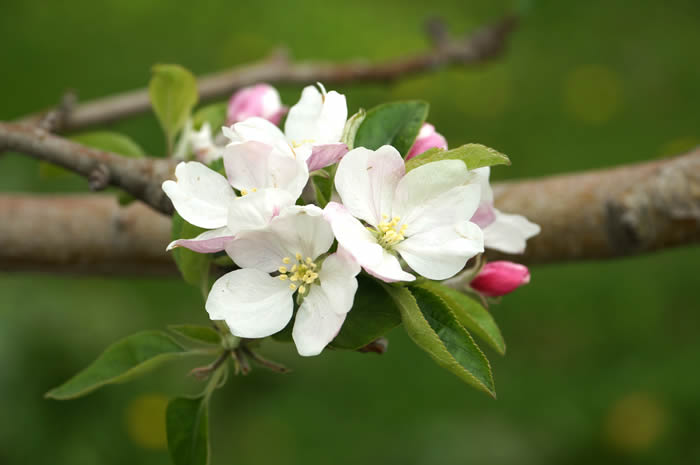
(484, 215)
(427, 139)
(326, 155)
(500, 278)
(260, 100)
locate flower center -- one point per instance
(246, 191)
(301, 275)
(389, 233)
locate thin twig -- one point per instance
(140, 177)
(484, 44)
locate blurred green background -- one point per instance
(602, 363)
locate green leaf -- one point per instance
(173, 93)
(394, 124)
(197, 333)
(435, 329)
(470, 314)
(193, 266)
(187, 428)
(121, 362)
(322, 187)
(102, 140)
(373, 314)
(351, 127)
(473, 155)
(110, 142)
(214, 114)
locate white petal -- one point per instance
(200, 195)
(260, 249)
(253, 303)
(424, 184)
(509, 233)
(352, 235)
(337, 277)
(356, 240)
(316, 118)
(254, 165)
(256, 209)
(388, 269)
(448, 209)
(316, 324)
(259, 130)
(208, 242)
(481, 176)
(366, 181)
(443, 252)
(296, 230)
(302, 229)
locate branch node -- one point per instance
(99, 178)
(55, 118)
(437, 32)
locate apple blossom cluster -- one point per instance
(298, 258)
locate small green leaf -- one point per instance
(373, 314)
(470, 314)
(435, 329)
(110, 142)
(214, 114)
(205, 334)
(193, 266)
(395, 123)
(121, 362)
(473, 155)
(173, 93)
(102, 140)
(187, 428)
(351, 127)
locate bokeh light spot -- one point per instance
(592, 94)
(635, 422)
(145, 421)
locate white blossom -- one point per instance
(423, 215)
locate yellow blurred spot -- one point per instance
(145, 421)
(679, 146)
(592, 93)
(635, 422)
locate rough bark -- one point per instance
(603, 214)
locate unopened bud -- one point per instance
(260, 100)
(427, 139)
(500, 278)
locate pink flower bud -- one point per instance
(260, 100)
(500, 278)
(426, 140)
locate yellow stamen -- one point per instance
(302, 289)
(292, 287)
(283, 277)
(286, 260)
(282, 269)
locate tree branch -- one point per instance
(483, 45)
(627, 210)
(140, 177)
